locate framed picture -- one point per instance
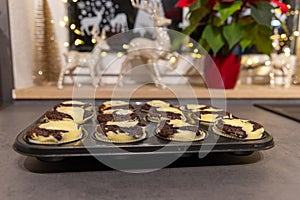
(114, 16)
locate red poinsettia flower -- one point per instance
(211, 3)
(184, 3)
(283, 7)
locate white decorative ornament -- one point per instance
(88, 22)
(120, 20)
(90, 60)
(144, 21)
(151, 51)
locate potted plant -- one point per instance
(220, 26)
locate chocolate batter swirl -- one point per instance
(165, 129)
(55, 115)
(117, 118)
(124, 107)
(135, 131)
(57, 134)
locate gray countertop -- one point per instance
(270, 174)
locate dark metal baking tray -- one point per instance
(152, 145)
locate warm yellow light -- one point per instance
(173, 59)
(103, 53)
(94, 41)
(287, 50)
(66, 18)
(198, 55)
(268, 62)
(281, 43)
(289, 6)
(291, 38)
(52, 21)
(64, 1)
(72, 26)
(78, 42)
(292, 12)
(77, 32)
(190, 44)
(283, 36)
(249, 62)
(125, 46)
(66, 44)
(296, 12)
(277, 10)
(296, 33)
(196, 50)
(75, 1)
(62, 23)
(119, 54)
(273, 37)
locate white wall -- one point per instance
(22, 31)
(21, 24)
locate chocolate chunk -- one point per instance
(55, 115)
(44, 132)
(146, 107)
(204, 108)
(125, 107)
(135, 132)
(83, 106)
(231, 130)
(105, 117)
(115, 117)
(256, 125)
(165, 129)
(160, 114)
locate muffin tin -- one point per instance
(153, 145)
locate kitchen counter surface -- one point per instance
(271, 174)
(150, 91)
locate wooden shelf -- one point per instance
(150, 91)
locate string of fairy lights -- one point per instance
(281, 38)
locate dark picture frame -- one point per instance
(115, 16)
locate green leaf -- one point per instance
(246, 20)
(227, 9)
(262, 39)
(261, 12)
(198, 14)
(178, 42)
(216, 21)
(213, 37)
(232, 33)
(204, 44)
(195, 5)
(248, 35)
(190, 29)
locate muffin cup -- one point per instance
(103, 138)
(83, 134)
